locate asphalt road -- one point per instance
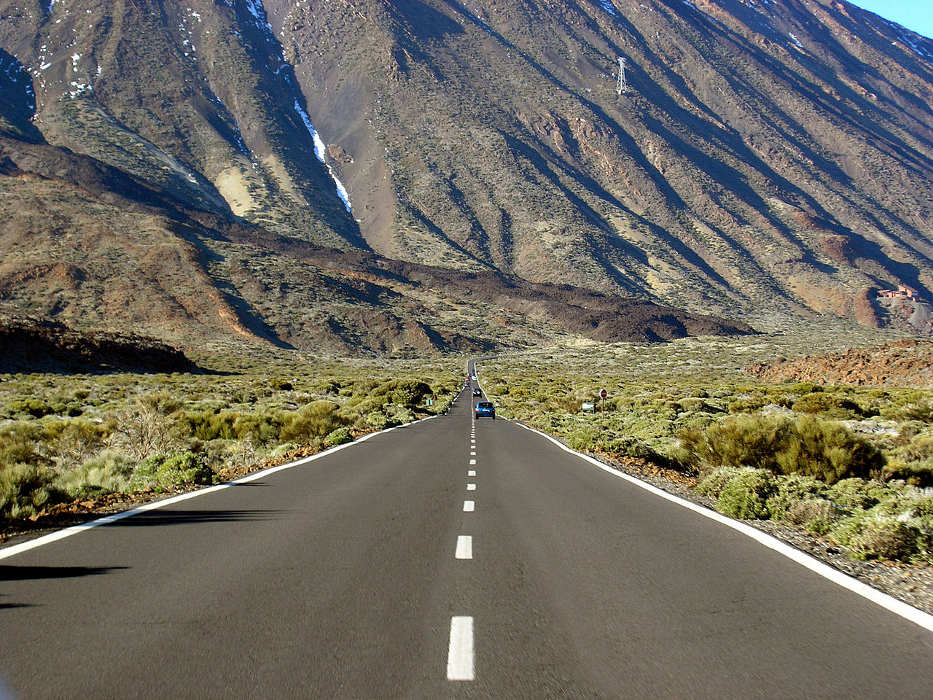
(352, 577)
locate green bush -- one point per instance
(338, 437)
(791, 491)
(745, 496)
(583, 437)
(37, 408)
(108, 472)
(858, 494)
(806, 446)
(258, 428)
(314, 420)
(405, 392)
(882, 538)
(25, 489)
(715, 480)
(827, 451)
(209, 425)
(817, 515)
(165, 471)
(829, 405)
(18, 444)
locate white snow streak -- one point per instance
(321, 152)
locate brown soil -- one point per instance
(907, 363)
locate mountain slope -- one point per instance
(773, 154)
(160, 163)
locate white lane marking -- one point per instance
(472, 461)
(472, 453)
(471, 472)
(469, 506)
(15, 549)
(464, 547)
(460, 650)
(908, 612)
(471, 487)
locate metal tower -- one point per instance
(622, 85)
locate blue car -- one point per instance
(485, 408)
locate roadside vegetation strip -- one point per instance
(12, 550)
(852, 464)
(898, 607)
(73, 446)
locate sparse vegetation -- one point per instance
(843, 462)
(66, 438)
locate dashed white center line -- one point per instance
(471, 487)
(469, 506)
(460, 651)
(472, 461)
(464, 547)
(471, 472)
(472, 453)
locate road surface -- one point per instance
(408, 566)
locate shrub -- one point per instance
(713, 483)
(108, 472)
(858, 494)
(830, 405)
(883, 538)
(817, 515)
(790, 492)
(406, 392)
(25, 489)
(164, 471)
(583, 437)
(142, 430)
(18, 444)
(807, 446)
(258, 428)
(745, 496)
(827, 451)
(338, 437)
(37, 408)
(314, 420)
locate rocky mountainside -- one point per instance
(763, 158)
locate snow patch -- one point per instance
(321, 152)
(608, 7)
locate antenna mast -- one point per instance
(622, 85)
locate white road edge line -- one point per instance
(908, 612)
(464, 547)
(460, 649)
(15, 549)
(469, 506)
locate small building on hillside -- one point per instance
(902, 292)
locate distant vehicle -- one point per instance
(477, 392)
(485, 408)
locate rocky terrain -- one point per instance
(906, 363)
(179, 169)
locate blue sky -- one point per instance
(913, 14)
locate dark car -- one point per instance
(477, 392)
(485, 408)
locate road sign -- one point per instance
(603, 394)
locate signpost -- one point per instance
(603, 394)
